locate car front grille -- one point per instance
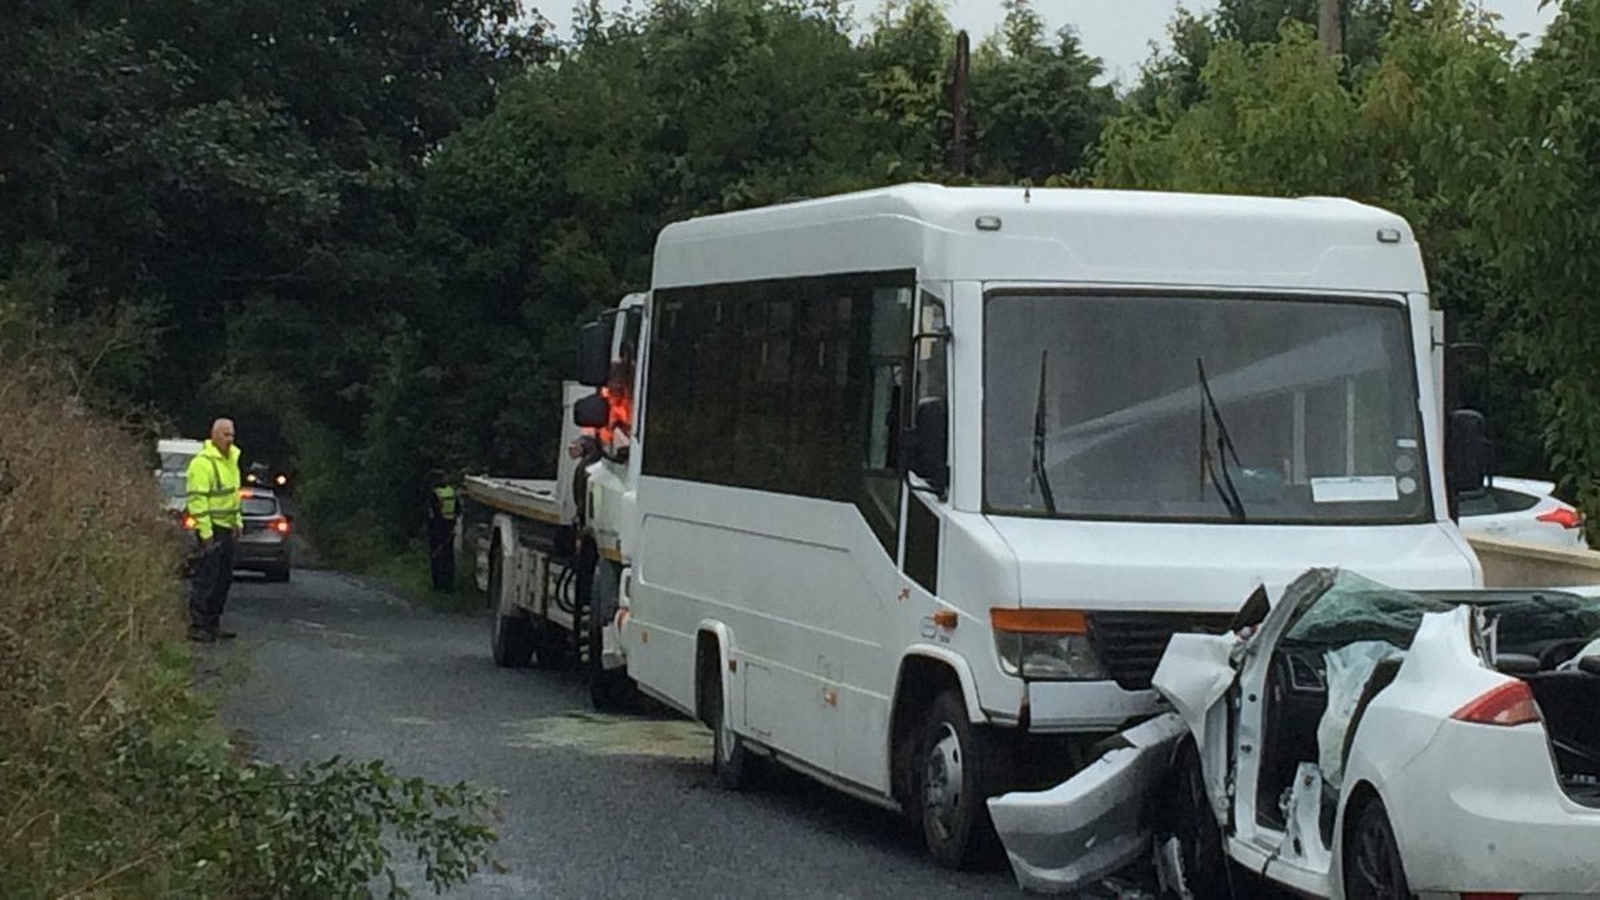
(1130, 644)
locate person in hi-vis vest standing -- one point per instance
(213, 503)
(442, 508)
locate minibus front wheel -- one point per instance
(958, 766)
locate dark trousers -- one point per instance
(442, 553)
(208, 594)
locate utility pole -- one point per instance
(958, 103)
(1330, 27)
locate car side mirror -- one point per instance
(926, 444)
(591, 412)
(1467, 451)
(594, 354)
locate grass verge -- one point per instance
(406, 573)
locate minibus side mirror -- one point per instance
(591, 412)
(594, 354)
(927, 444)
(1467, 451)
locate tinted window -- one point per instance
(790, 386)
(174, 485)
(259, 506)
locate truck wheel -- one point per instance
(609, 689)
(957, 769)
(732, 762)
(510, 636)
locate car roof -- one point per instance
(1526, 485)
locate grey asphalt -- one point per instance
(594, 805)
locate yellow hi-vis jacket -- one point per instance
(213, 488)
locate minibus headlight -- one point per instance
(1045, 644)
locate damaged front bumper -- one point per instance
(1093, 824)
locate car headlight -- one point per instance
(1046, 645)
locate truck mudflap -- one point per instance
(613, 654)
(1095, 823)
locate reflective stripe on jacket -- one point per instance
(213, 490)
(446, 498)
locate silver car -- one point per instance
(264, 545)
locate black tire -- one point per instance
(957, 768)
(610, 690)
(510, 637)
(278, 575)
(736, 768)
(1373, 869)
(1185, 816)
(552, 647)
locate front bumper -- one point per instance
(1056, 707)
(1480, 809)
(1090, 825)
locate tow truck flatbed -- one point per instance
(533, 498)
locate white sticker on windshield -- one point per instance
(1355, 489)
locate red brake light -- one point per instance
(1565, 516)
(1509, 704)
(281, 526)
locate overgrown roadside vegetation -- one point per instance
(406, 573)
(115, 780)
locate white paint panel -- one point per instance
(806, 592)
(1179, 566)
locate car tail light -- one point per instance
(1509, 704)
(281, 526)
(1565, 516)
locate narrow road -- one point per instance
(595, 805)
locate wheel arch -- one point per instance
(1361, 794)
(713, 652)
(924, 673)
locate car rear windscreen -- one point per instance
(259, 506)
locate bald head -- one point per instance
(222, 434)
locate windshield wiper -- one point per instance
(1224, 485)
(1039, 428)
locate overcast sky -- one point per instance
(1117, 31)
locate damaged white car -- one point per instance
(1357, 741)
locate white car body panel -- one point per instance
(1194, 675)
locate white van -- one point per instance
(922, 479)
(175, 454)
